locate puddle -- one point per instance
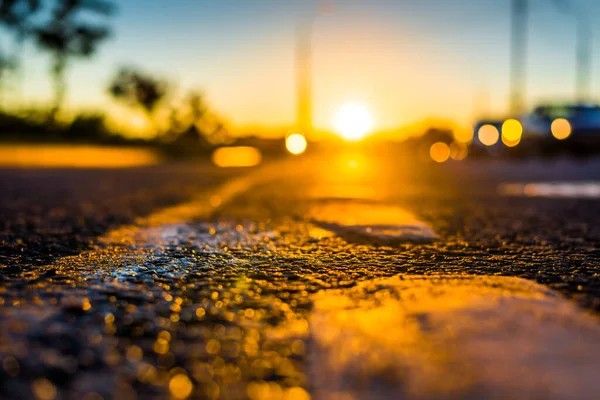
(428, 337)
(589, 189)
(370, 222)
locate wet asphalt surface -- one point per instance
(216, 306)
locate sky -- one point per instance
(406, 60)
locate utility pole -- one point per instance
(518, 55)
(304, 77)
(584, 50)
(584, 60)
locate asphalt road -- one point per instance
(186, 281)
(50, 213)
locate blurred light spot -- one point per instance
(463, 135)
(146, 373)
(134, 353)
(458, 151)
(213, 347)
(510, 143)
(215, 201)
(161, 346)
(64, 156)
(296, 393)
(109, 318)
(561, 128)
(180, 386)
(439, 152)
(43, 389)
(236, 156)
(488, 135)
(267, 390)
(295, 143)
(512, 131)
(353, 121)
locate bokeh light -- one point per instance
(295, 143)
(463, 134)
(510, 143)
(512, 130)
(180, 386)
(458, 151)
(561, 128)
(236, 156)
(439, 152)
(353, 121)
(488, 135)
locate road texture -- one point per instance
(349, 276)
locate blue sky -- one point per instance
(406, 59)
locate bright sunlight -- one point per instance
(353, 121)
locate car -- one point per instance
(581, 121)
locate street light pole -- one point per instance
(518, 55)
(583, 78)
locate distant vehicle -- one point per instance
(582, 121)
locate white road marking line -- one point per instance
(372, 220)
(552, 189)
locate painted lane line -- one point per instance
(552, 189)
(448, 337)
(375, 221)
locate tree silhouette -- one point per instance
(196, 120)
(67, 36)
(15, 17)
(203, 121)
(138, 89)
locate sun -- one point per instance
(353, 121)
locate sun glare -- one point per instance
(353, 121)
